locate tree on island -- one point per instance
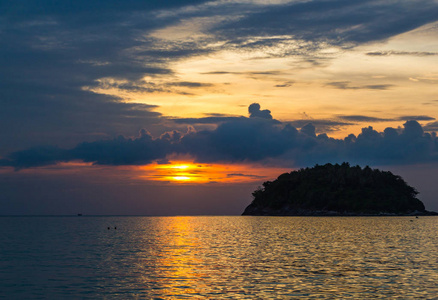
(336, 190)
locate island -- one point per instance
(336, 190)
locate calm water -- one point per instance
(218, 257)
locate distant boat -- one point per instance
(79, 215)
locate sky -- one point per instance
(186, 107)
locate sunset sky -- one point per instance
(185, 107)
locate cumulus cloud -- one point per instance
(255, 139)
(321, 125)
(255, 112)
(53, 56)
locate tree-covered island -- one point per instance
(332, 190)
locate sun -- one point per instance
(182, 178)
(186, 172)
(179, 172)
(178, 167)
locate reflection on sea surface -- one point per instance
(219, 257)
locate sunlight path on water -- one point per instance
(219, 257)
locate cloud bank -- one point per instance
(258, 138)
(53, 54)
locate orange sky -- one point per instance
(401, 81)
(120, 92)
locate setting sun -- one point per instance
(187, 172)
(181, 178)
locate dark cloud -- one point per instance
(53, 52)
(309, 130)
(255, 112)
(432, 102)
(320, 124)
(345, 85)
(403, 53)
(248, 139)
(119, 151)
(339, 22)
(285, 84)
(360, 118)
(205, 120)
(431, 126)
(190, 84)
(220, 73)
(250, 74)
(245, 175)
(85, 10)
(417, 118)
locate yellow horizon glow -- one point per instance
(186, 172)
(176, 172)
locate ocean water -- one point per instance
(218, 257)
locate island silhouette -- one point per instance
(336, 190)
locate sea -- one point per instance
(218, 257)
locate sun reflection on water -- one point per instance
(178, 261)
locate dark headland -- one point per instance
(336, 190)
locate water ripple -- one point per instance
(218, 257)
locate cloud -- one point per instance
(309, 130)
(190, 84)
(285, 84)
(54, 55)
(431, 126)
(417, 118)
(252, 74)
(244, 175)
(339, 22)
(253, 139)
(255, 112)
(321, 125)
(119, 151)
(205, 120)
(401, 53)
(345, 85)
(360, 118)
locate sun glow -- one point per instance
(182, 172)
(181, 178)
(177, 167)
